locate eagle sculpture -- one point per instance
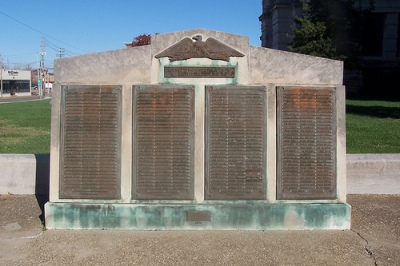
(197, 48)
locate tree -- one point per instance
(332, 29)
(143, 39)
(311, 39)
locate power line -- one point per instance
(51, 46)
(60, 52)
(70, 53)
(26, 25)
(57, 49)
(11, 55)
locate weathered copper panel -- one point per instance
(306, 159)
(235, 143)
(90, 142)
(163, 142)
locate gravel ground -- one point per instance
(373, 240)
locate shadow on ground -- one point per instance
(42, 181)
(374, 111)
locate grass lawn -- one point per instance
(25, 127)
(372, 127)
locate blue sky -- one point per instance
(88, 26)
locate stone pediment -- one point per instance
(195, 47)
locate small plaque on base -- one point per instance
(198, 216)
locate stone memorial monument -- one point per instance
(198, 130)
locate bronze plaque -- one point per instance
(90, 143)
(235, 143)
(197, 48)
(306, 135)
(163, 142)
(199, 72)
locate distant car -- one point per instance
(34, 91)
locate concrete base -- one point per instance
(250, 216)
(373, 173)
(24, 173)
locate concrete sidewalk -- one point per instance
(373, 240)
(14, 99)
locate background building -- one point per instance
(15, 82)
(379, 69)
(276, 22)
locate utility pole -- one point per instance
(42, 80)
(61, 54)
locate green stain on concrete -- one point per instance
(174, 216)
